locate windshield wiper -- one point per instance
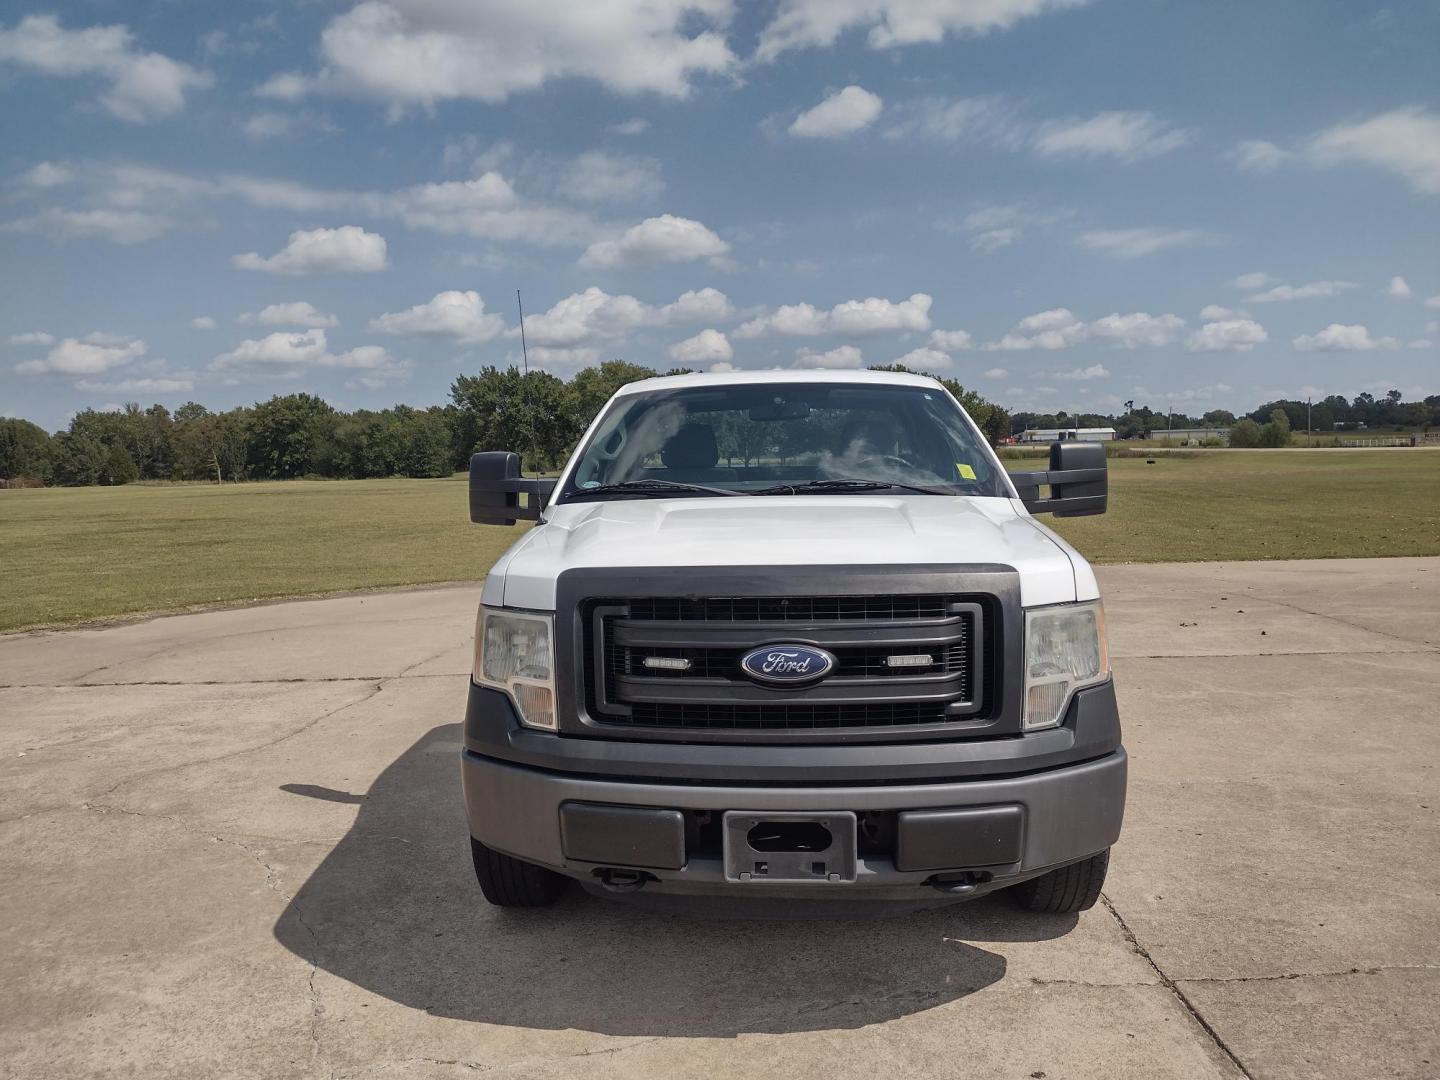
(822, 487)
(648, 487)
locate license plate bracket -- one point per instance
(793, 848)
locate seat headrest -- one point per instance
(875, 437)
(692, 447)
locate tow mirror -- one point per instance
(496, 486)
(1078, 479)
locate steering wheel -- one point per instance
(887, 459)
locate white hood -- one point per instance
(786, 530)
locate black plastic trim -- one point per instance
(1091, 730)
(995, 585)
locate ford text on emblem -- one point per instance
(782, 665)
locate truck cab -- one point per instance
(796, 637)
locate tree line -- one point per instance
(1333, 413)
(537, 415)
(300, 435)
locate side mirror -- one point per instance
(496, 486)
(1078, 478)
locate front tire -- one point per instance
(1069, 889)
(508, 882)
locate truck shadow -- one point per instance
(394, 908)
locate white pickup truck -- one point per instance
(791, 636)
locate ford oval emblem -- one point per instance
(787, 665)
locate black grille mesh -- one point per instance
(788, 609)
(714, 682)
(784, 717)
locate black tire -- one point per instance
(508, 882)
(1071, 888)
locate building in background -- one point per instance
(1190, 436)
(1084, 434)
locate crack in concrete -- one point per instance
(379, 686)
(272, 882)
(162, 771)
(1377, 969)
(1425, 646)
(1179, 995)
(1245, 655)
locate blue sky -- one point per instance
(1063, 203)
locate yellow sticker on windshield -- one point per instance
(966, 472)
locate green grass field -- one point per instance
(75, 554)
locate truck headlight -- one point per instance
(1065, 650)
(514, 652)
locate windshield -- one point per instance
(781, 439)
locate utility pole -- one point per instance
(1307, 417)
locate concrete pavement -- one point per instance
(231, 844)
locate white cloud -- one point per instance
(143, 85)
(424, 52)
(705, 347)
(926, 359)
(34, 337)
(290, 353)
(1082, 374)
(295, 313)
(1257, 155)
(722, 367)
(842, 113)
(1137, 243)
(843, 356)
(597, 176)
(872, 315)
(1060, 329)
(634, 126)
(1399, 288)
(997, 373)
(454, 316)
(1341, 338)
(117, 226)
(1256, 280)
(285, 86)
(1301, 292)
(663, 239)
(281, 348)
(46, 174)
(202, 322)
(800, 24)
(177, 383)
(998, 226)
(1217, 312)
(348, 249)
(90, 355)
(488, 208)
(1129, 136)
(596, 316)
(1227, 335)
(1433, 301)
(279, 125)
(696, 305)
(1403, 141)
(563, 360)
(948, 120)
(951, 340)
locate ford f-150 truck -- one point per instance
(794, 636)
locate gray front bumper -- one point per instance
(1069, 813)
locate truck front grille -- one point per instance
(709, 694)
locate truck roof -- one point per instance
(734, 378)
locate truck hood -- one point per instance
(800, 530)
